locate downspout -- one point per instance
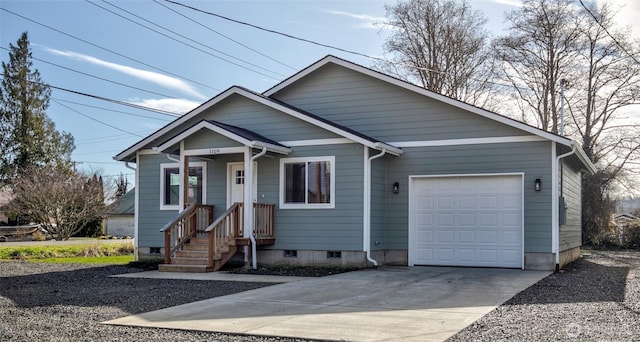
(135, 209)
(556, 223)
(367, 205)
(254, 249)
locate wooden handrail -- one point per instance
(185, 227)
(222, 231)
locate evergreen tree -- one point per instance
(28, 137)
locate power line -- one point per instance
(112, 110)
(224, 36)
(108, 50)
(94, 76)
(274, 31)
(325, 45)
(102, 98)
(608, 33)
(96, 120)
(185, 37)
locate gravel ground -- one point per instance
(595, 299)
(67, 302)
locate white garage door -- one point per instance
(467, 221)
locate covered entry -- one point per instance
(466, 220)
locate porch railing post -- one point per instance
(167, 247)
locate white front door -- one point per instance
(235, 182)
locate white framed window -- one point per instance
(170, 185)
(307, 183)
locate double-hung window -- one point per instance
(170, 185)
(307, 183)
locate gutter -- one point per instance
(367, 205)
(555, 199)
(254, 252)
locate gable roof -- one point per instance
(129, 153)
(123, 205)
(241, 135)
(330, 59)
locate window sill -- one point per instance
(307, 206)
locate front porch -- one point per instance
(195, 242)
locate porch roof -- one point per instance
(239, 134)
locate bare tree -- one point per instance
(536, 54)
(440, 44)
(606, 80)
(62, 201)
(554, 43)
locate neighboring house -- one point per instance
(5, 198)
(120, 217)
(364, 168)
(622, 219)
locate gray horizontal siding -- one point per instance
(320, 229)
(384, 111)
(533, 159)
(150, 217)
(378, 199)
(208, 139)
(242, 112)
(571, 231)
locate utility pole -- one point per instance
(563, 83)
(74, 165)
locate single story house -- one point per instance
(120, 216)
(346, 165)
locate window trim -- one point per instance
(332, 186)
(164, 166)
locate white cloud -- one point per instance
(626, 12)
(516, 3)
(150, 76)
(179, 106)
(369, 21)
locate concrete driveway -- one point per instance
(387, 304)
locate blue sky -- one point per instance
(165, 74)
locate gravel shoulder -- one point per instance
(596, 298)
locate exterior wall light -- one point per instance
(396, 187)
(537, 184)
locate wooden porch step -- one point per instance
(184, 268)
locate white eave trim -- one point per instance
(583, 158)
(419, 90)
(217, 129)
(243, 92)
(469, 141)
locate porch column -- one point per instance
(248, 193)
(184, 180)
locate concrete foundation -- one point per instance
(569, 255)
(312, 258)
(539, 261)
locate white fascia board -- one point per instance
(470, 141)
(175, 123)
(271, 147)
(584, 159)
(419, 90)
(206, 125)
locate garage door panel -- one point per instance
(467, 236)
(476, 221)
(487, 237)
(444, 236)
